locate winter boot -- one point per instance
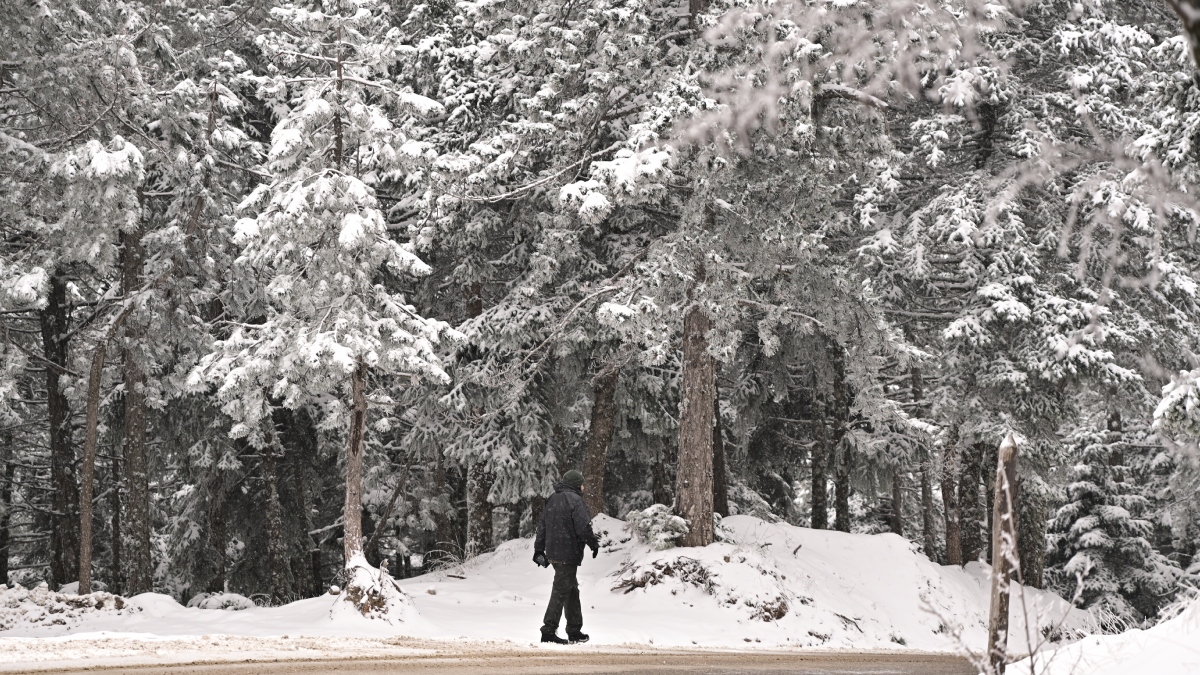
(553, 637)
(575, 638)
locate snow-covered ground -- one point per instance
(1170, 648)
(768, 586)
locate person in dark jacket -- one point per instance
(565, 528)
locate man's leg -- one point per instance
(558, 596)
(574, 611)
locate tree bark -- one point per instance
(819, 462)
(1004, 543)
(87, 479)
(277, 558)
(218, 538)
(841, 423)
(659, 480)
(141, 567)
(115, 583)
(604, 414)
(970, 505)
(898, 503)
(352, 543)
(479, 508)
(443, 527)
(950, 505)
(694, 480)
(6, 455)
(720, 475)
(64, 531)
(928, 527)
(514, 521)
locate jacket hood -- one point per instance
(563, 487)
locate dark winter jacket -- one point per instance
(566, 527)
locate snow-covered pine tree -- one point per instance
(314, 310)
(1099, 541)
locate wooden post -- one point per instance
(1004, 545)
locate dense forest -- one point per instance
(284, 284)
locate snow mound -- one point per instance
(1170, 648)
(228, 601)
(43, 607)
(374, 594)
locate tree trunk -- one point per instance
(1031, 534)
(352, 543)
(951, 508)
(660, 482)
(87, 482)
(928, 527)
(819, 462)
(277, 558)
(841, 496)
(514, 521)
(64, 530)
(694, 480)
(720, 476)
(218, 538)
(1004, 543)
(971, 507)
(6, 455)
(604, 413)
(313, 581)
(137, 472)
(898, 503)
(115, 585)
(841, 422)
(989, 486)
(479, 509)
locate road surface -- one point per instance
(584, 663)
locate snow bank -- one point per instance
(1170, 648)
(43, 608)
(766, 586)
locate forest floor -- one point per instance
(767, 587)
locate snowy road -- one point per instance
(585, 662)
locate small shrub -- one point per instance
(657, 526)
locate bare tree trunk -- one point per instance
(595, 459)
(928, 527)
(819, 462)
(137, 473)
(115, 585)
(87, 479)
(218, 538)
(443, 530)
(64, 531)
(6, 455)
(312, 581)
(659, 480)
(841, 422)
(970, 505)
(950, 504)
(720, 477)
(1004, 542)
(694, 489)
(1188, 12)
(841, 496)
(695, 7)
(989, 486)
(277, 558)
(352, 543)
(514, 521)
(898, 503)
(479, 509)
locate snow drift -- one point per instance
(1170, 648)
(767, 586)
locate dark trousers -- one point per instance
(565, 595)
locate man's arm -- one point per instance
(539, 542)
(582, 522)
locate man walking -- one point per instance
(565, 528)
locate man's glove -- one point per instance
(595, 549)
(539, 557)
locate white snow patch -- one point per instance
(1170, 648)
(768, 586)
